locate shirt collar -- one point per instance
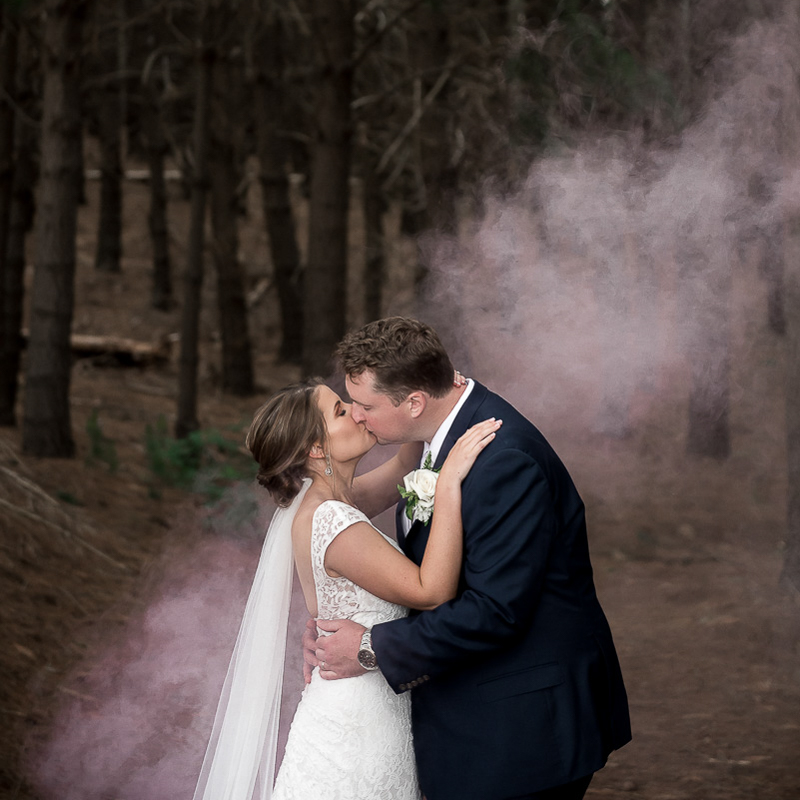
(435, 444)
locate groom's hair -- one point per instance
(404, 355)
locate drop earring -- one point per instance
(328, 467)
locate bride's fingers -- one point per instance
(481, 431)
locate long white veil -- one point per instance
(240, 759)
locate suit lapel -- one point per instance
(462, 421)
(460, 424)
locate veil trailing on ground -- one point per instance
(240, 760)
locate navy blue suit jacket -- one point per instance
(516, 682)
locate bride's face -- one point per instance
(347, 439)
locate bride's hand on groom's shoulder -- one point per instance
(467, 448)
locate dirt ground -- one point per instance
(687, 556)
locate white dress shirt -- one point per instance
(435, 445)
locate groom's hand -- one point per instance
(337, 653)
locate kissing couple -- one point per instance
(467, 660)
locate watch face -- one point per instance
(367, 659)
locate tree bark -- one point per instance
(773, 269)
(109, 230)
(46, 427)
(790, 156)
(613, 289)
(791, 564)
(155, 80)
(709, 352)
(157, 149)
(375, 268)
(440, 270)
(20, 223)
(9, 34)
(186, 420)
(278, 215)
(325, 312)
(10, 283)
(237, 362)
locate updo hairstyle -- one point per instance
(281, 436)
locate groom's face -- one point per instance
(389, 423)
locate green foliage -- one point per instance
(101, 448)
(575, 71)
(205, 462)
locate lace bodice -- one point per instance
(339, 598)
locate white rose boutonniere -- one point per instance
(418, 490)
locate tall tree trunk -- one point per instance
(46, 427)
(157, 149)
(374, 204)
(791, 564)
(707, 279)
(186, 420)
(773, 269)
(613, 289)
(109, 231)
(790, 156)
(325, 315)
(21, 220)
(237, 362)
(9, 34)
(441, 266)
(273, 158)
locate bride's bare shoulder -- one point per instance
(305, 514)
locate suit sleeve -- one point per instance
(509, 526)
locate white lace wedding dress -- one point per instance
(350, 738)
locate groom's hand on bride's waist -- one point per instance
(337, 653)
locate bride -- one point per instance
(350, 739)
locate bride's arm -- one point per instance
(363, 556)
(376, 490)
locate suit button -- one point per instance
(403, 686)
(426, 677)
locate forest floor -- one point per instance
(687, 571)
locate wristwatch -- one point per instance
(366, 655)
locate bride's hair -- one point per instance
(281, 436)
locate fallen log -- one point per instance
(124, 352)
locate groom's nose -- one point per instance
(357, 413)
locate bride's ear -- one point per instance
(417, 402)
(316, 451)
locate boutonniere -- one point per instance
(418, 489)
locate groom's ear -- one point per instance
(417, 402)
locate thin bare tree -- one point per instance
(109, 24)
(186, 420)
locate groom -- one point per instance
(517, 690)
